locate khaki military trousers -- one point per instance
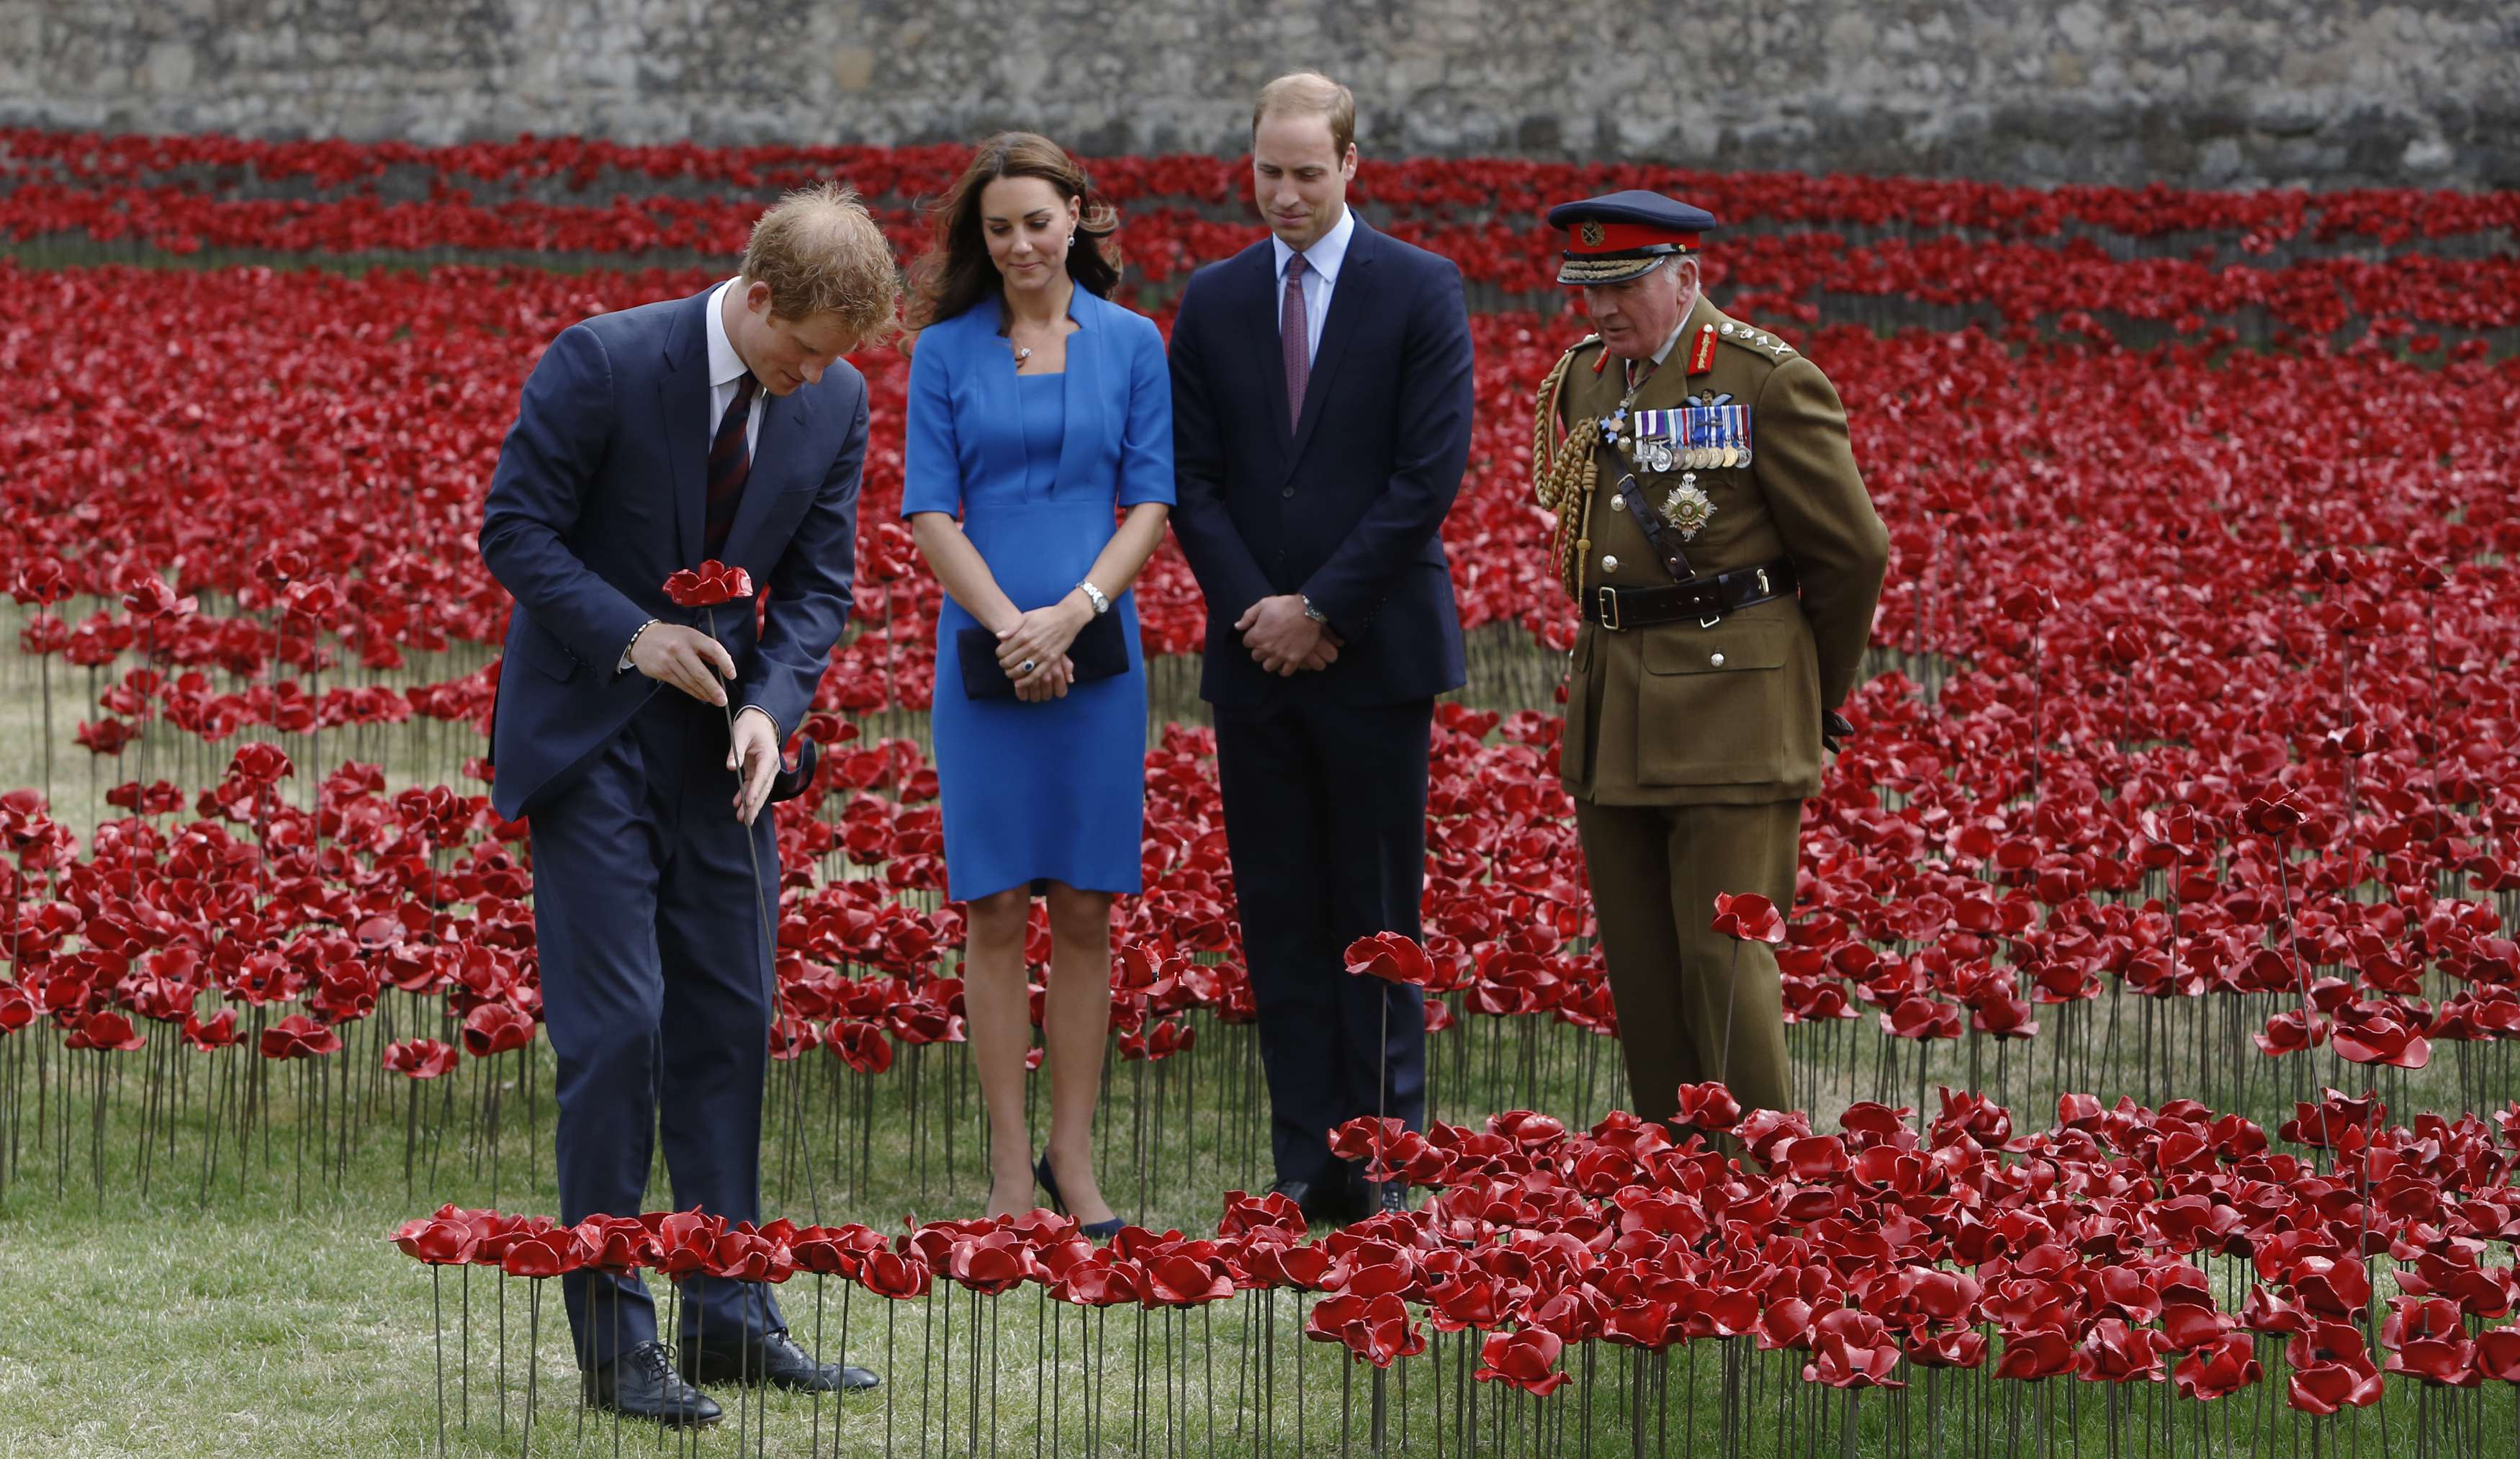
(1656, 871)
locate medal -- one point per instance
(1687, 508)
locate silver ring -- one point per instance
(1025, 667)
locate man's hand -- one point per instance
(1283, 639)
(686, 659)
(753, 754)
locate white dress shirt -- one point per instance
(726, 367)
(1321, 277)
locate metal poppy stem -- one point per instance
(437, 1334)
(534, 1349)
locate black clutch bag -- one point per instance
(1099, 652)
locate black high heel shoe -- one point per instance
(1093, 1230)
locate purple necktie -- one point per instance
(1293, 341)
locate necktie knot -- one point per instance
(1294, 267)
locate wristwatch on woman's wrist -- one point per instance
(1093, 594)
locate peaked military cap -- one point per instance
(1618, 236)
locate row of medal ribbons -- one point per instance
(1694, 437)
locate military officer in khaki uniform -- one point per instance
(1716, 540)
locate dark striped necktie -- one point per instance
(729, 464)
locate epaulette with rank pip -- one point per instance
(1754, 339)
(1580, 346)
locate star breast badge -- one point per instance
(1687, 508)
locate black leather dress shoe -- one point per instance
(776, 1360)
(1319, 1205)
(1390, 1197)
(642, 1383)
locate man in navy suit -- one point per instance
(1321, 425)
(723, 426)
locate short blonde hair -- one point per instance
(1310, 93)
(820, 253)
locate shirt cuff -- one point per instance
(623, 666)
(778, 734)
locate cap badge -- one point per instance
(1591, 232)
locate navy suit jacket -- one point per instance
(599, 498)
(1346, 508)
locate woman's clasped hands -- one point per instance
(1033, 649)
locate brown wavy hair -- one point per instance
(955, 273)
(820, 253)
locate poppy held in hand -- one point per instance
(710, 584)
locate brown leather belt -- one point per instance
(1706, 598)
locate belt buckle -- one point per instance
(1609, 608)
(1710, 620)
(1764, 590)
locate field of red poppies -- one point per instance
(2153, 996)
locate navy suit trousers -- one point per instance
(1325, 823)
(654, 994)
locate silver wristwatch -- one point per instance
(1312, 612)
(1093, 594)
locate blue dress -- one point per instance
(1053, 790)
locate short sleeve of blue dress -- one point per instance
(1035, 793)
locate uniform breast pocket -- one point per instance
(1712, 706)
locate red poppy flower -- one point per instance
(1391, 957)
(298, 1036)
(218, 1032)
(1378, 1329)
(614, 1245)
(2219, 1368)
(2043, 1353)
(1709, 1106)
(708, 585)
(496, 1028)
(1526, 1358)
(993, 1263)
(1101, 1280)
(1188, 1277)
(548, 1253)
(1750, 917)
(894, 1274)
(833, 1251)
(420, 1058)
(1852, 1350)
(105, 1029)
(446, 1239)
(862, 1046)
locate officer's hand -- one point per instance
(686, 659)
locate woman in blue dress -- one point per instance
(1039, 413)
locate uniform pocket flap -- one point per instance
(1734, 644)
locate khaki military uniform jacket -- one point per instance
(1679, 713)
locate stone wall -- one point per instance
(2236, 93)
